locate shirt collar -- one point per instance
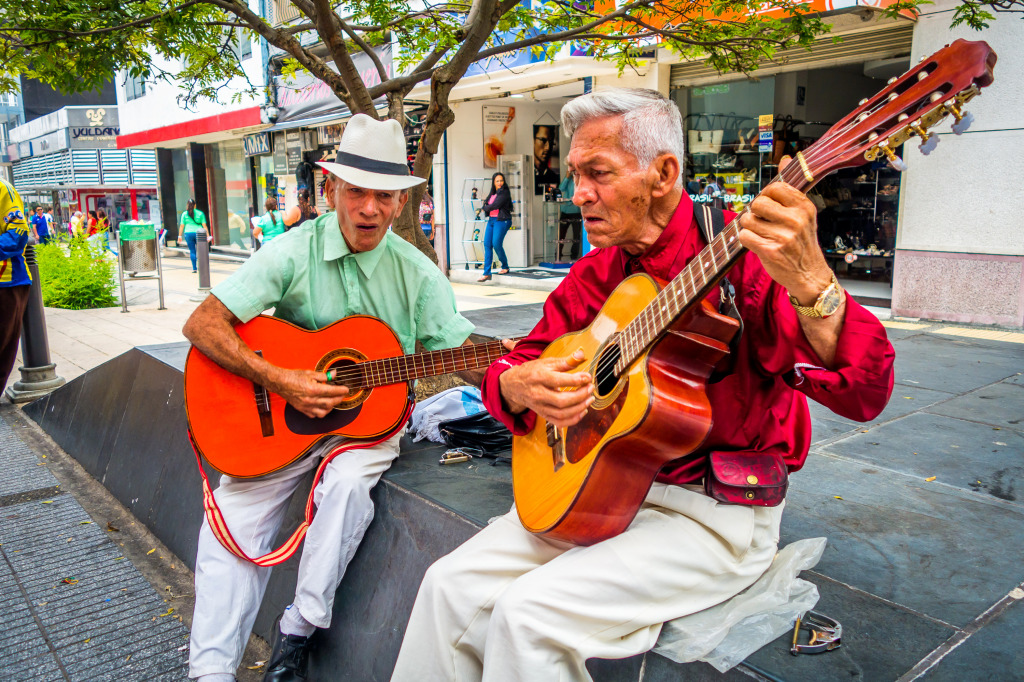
(335, 246)
(659, 258)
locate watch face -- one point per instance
(829, 303)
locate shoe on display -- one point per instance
(288, 659)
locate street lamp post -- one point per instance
(38, 375)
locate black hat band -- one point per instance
(371, 165)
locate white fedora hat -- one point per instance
(371, 154)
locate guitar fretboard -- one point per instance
(692, 284)
(402, 368)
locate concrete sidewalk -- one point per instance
(74, 604)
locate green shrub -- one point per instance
(77, 277)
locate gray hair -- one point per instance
(651, 123)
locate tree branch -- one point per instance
(358, 40)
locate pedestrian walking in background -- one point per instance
(498, 206)
(270, 225)
(76, 228)
(40, 226)
(296, 215)
(191, 220)
(15, 279)
(427, 216)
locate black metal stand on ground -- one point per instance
(203, 265)
(38, 375)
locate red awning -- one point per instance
(241, 118)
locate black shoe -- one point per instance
(288, 660)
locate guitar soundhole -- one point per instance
(349, 374)
(605, 378)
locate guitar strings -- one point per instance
(357, 371)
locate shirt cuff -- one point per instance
(490, 392)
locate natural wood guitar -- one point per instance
(652, 345)
(244, 430)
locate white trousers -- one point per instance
(229, 590)
(509, 605)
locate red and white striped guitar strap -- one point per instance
(219, 525)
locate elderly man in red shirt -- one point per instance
(510, 605)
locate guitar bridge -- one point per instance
(263, 407)
(557, 444)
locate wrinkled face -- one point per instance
(364, 215)
(612, 191)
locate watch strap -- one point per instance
(815, 309)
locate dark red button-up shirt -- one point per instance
(762, 405)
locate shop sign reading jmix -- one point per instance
(259, 143)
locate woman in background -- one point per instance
(191, 220)
(296, 215)
(498, 207)
(271, 225)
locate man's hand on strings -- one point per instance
(781, 229)
(308, 391)
(550, 388)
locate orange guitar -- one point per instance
(652, 346)
(243, 430)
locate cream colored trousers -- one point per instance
(229, 590)
(509, 605)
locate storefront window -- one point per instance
(723, 164)
(182, 188)
(267, 181)
(230, 193)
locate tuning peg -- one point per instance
(896, 162)
(964, 122)
(928, 146)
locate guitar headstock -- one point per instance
(937, 87)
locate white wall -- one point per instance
(964, 196)
(159, 106)
(465, 160)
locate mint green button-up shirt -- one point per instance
(312, 279)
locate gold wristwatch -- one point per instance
(827, 304)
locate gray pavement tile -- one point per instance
(904, 400)
(826, 429)
(25, 657)
(959, 453)
(136, 664)
(20, 465)
(43, 669)
(993, 652)
(80, 657)
(954, 365)
(86, 624)
(946, 553)
(1000, 404)
(880, 641)
(505, 321)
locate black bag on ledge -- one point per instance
(480, 430)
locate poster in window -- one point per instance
(499, 134)
(545, 157)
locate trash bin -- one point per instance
(138, 247)
(138, 251)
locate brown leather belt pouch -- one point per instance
(757, 479)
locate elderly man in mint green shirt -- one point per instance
(343, 263)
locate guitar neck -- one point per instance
(693, 283)
(403, 368)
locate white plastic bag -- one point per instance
(460, 401)
(726, 634)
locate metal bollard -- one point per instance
(203, 265)
(38, 375)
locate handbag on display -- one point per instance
(704, 140)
